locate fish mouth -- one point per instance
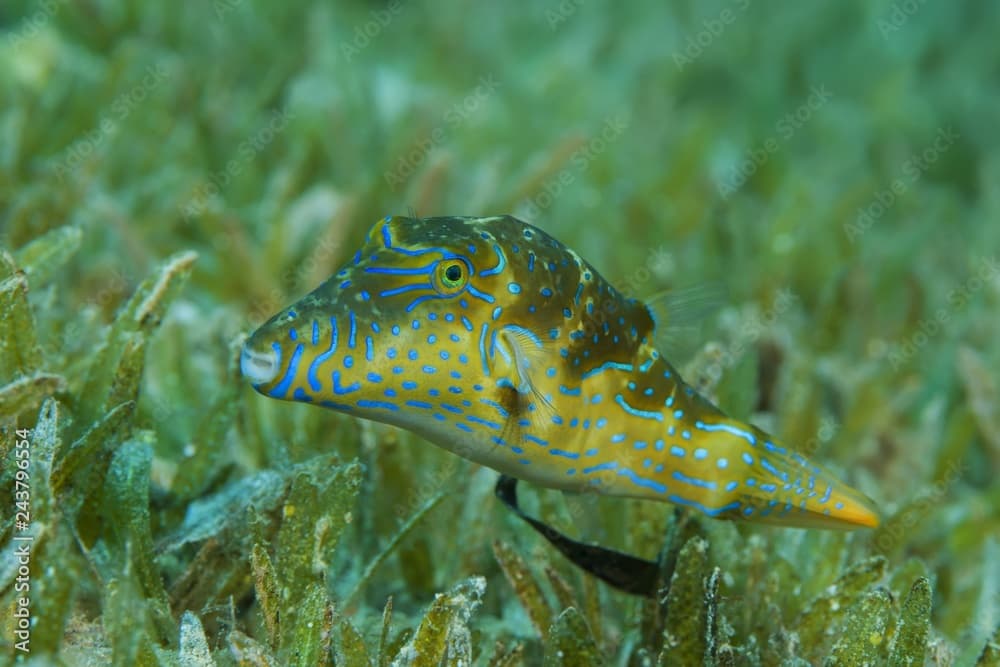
(260, 366)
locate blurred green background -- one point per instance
(834, 167)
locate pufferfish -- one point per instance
(490, 338)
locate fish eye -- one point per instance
(452, 276)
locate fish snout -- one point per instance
(259, 366)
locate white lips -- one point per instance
(260, 367)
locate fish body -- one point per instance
(488, 337)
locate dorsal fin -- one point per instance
(679, 315)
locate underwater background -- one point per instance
(173, 174)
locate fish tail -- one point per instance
(770, 483)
